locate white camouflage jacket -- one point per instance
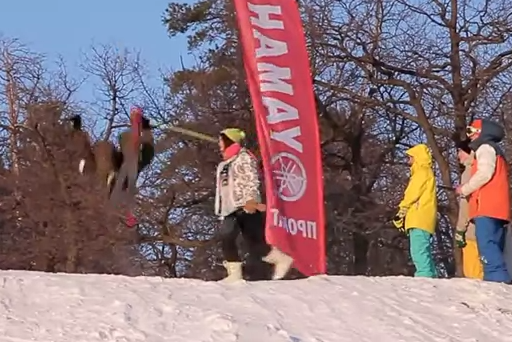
(237, 182)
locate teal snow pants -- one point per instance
(421, 253)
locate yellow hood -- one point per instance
(420, 197)
(421, 155)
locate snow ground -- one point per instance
(91, 308)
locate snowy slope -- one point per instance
(89, 308)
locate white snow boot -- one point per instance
(234, 271)
(281, 261)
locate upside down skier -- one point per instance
(136, 153)
(145, 149)
(238, 204)
(118, 169)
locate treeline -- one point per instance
(387, 75)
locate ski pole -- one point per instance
(191, 133)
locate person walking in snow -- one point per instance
(465, 229)
(418, 210)
(489, 201)
(238, 204)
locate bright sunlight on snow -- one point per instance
(74, 308)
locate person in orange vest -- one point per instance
(489, 201)
(465, 237)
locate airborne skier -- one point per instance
(136, 152)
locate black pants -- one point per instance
(252, 228)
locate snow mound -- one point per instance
(61, 308)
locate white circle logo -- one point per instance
(289, 176)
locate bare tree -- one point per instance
(21, 73)
(116, 73)
(359, 142)
(68, 225)
(52, 220)
(436, 64)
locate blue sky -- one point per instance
(67, 27)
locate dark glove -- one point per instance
(460, 239)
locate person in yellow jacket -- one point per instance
(465, 230)
(417, 214)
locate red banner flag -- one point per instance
(277, 67)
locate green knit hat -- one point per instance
(234, 134)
